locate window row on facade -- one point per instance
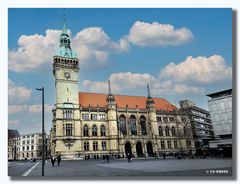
(94, 130)
(165, 119)
(166, 131)
(93, 116)
(28, 136)
(132, 125)
(95, 146)
(163, 131)
(173, 144)
(25, 148)
(26, 142)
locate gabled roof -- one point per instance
(99, 99)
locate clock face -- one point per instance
(67, 75)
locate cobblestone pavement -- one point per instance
(171, 167)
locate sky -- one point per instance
(181, 53)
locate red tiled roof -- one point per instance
(99, 99)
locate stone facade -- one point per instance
(91, 125)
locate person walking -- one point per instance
(53, 160)
(59, 159)
(108, 161)
(164, 156)
(104, 161)
(129, 157)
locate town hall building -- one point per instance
(89, 125)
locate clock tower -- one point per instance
(66, 117)
(65, 71)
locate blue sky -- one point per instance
(128, 46)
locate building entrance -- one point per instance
(128, 149)
(150, 149)
(139, 149)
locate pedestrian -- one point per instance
(175, 155)
(164, 156)
(53, 160)
(191, 154)
(129, 157)
(104, 159)
(108, 161)
(59, 159)
(204, 154)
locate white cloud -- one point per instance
(19, 99)
(135, 81)
(33, 52)
(14, 109)
(18, 93)
(96, 86)
(156, 34)
(38, 108)
(93, 46)
(200, 69)
(96, 38)
(120, 81)
(168, 87)
(129, 80)
(35, 108)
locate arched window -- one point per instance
(173, 131)
(122, 122)
(85, 130)
(185, 131)
(133, 127)
(94, 130)
(143, 125)
(160, 129)
(167, 131)
(103, 130)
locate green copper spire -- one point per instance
(148, 90)
(65, 49)
(64, 25)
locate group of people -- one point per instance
(53, 160)
(106, 159)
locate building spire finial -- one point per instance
(148, 90)
(109, 88)
(64, 24)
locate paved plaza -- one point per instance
(139, 167)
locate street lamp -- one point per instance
(43, 140)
